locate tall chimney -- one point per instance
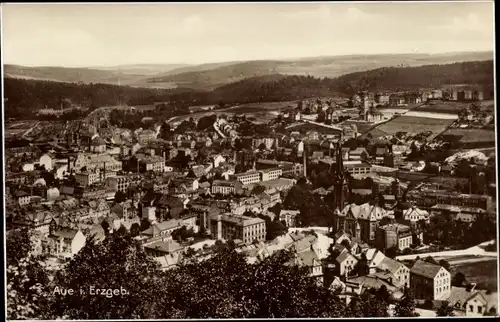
(219, 227)
(304, 153)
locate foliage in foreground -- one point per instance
(223, 286)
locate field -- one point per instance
(442, 107)
(483, 273)
(256, 112)
(411, 124)
(470, 135)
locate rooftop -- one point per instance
(425, 269)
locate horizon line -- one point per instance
(186, 64)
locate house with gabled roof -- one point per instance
(429, 281)
(163, 228)
(472, 302)
(64, 242)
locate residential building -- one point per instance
(87, 178)
(146, 136)
(472, 302)
(98, 145)
(288, 217)
(151, 163)
(430, 281)
(394, 235)
(23, 198)
(226, 187)
(231, 227)
(344, 263)
(63, 242)
(414, 215)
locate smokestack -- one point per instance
(219, 227)
(305, 160)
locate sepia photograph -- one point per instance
(204, 160)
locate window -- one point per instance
(471, 308)
(479, 309)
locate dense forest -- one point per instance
(23, 97)
(429, 76)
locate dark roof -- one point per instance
(65, 233)
(425, 269)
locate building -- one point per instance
(288, 217)
(270, 174)
(247, 177)
(428, 198)
(472, 302)
(394, 235)
(464, 214)
(164, 228)
(98, 145)
(146, 136)
(430, 281)
(23, 198)
(87, 178)
(226, 187)
(360, 221)
(151, 163)
(414, 215)
(63, 242)
(231, 227)
(396, 100)
(382, 98)
(357, 167)
(344, 263)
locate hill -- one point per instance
(409, 78)
(287, 88)
(28, 95)
(142, 69)
(219, 76)
(114, 75)
(210, 76)
(213, 75)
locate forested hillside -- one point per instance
(25, 96)
(409, 78)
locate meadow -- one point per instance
(412, 124)
(483, 273)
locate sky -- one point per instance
(77, 35)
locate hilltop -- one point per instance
(212, 76)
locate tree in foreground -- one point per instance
(445, 310)
(117, 263)
(28, 287)
(406, 306)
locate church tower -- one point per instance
(338, 179)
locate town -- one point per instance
(249, 161)
(359, 207)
